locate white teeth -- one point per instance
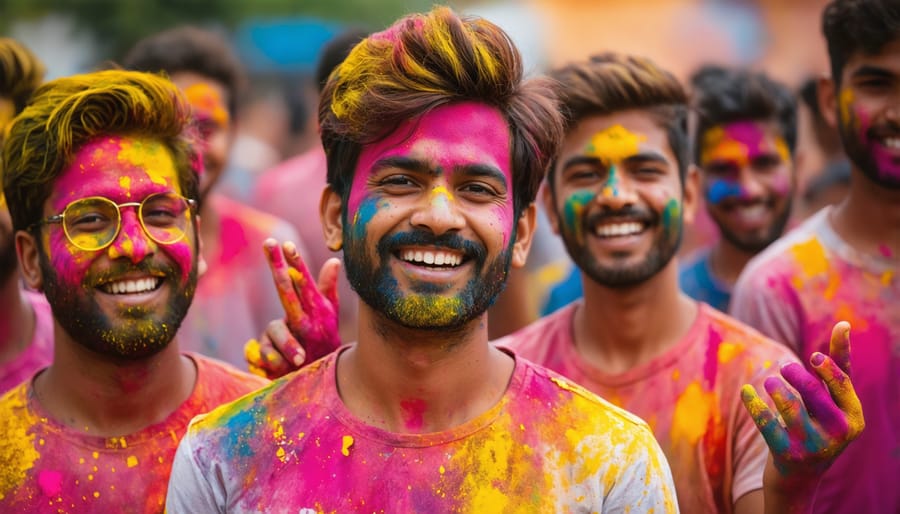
(619, 229)
(892, 142)
(752, 214)
(436, 258)
(132, 286)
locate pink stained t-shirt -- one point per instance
(236, 298)
(795, 291)
(546, 446)
(39, 353)
(690, 397)
(46, 466)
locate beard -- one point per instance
(138, 333)
(860, 149)
(751, 243)
(427, 306)
(8, 261)
(664, 248)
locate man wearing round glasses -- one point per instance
(100, 186)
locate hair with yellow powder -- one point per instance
(608, 83)
(21, 72)
(66, 113)
(427, 60)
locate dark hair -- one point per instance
(424, 61)
(66, 113)
(726, 95)
(21, 72)
(609, 82)
(191, 49)
(334, 52)
(852, 26)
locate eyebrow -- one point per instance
(872, 71)
(632, 159)
(420, 166)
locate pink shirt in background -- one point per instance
(546, 446)
(236, 297)
(39, 353)
(795, 291)
(46, 466)
(292, 191)
(690, 396)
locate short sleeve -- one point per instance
(768, 304)
(646, 484)
(189, 489)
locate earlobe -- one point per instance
(27, 252)
(330, 207)
(524, 235)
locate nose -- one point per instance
(131, 242)
(750, 186)
(439, 212)
(617, 192)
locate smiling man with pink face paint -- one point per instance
(102, 196)
(744, 137)
(844, 262)
(436, 147)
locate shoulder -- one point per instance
(577, 400)
(801, 247)
(740, 343)
(255, 223)
(220, 379)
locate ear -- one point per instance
(826, 92)
(202, 266)
(691, 194)
(550, 207)
(330, 207)
(524, 234)
(29, 260)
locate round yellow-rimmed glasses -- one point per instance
(93, 223)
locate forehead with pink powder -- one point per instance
(119, 168)
(446, 139)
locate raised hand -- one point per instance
(812, 429)
(310, 327)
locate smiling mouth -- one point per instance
(131, 286)
(891, 142)
(443, 259)
(621, 229)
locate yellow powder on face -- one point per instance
(782, 148)
(614, 144)
(845, 100)
(125, 183)
(153, 156)
(131, 461)
(692, 414)
(717, 146)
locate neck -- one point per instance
(420, 381)
(869, 217)
(16, 320)
(727, 261)
(617, 329)
(108, 397)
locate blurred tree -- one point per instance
(118, 24)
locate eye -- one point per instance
(89, 222)
(479, 191)
(396, 184)
(720, 168)
(766, 162)
(582, 175)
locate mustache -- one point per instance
(629, 213)
(887, 129)
(118, 269)
(420, 237)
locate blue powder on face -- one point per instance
(722, 189)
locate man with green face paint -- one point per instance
(619, 191)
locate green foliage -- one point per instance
(118, 24)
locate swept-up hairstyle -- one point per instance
(609, 82)
(66, 113)
(851, 26)
(427, 60)
(725, 95)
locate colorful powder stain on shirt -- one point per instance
(689, 395)
(542, 448)
(46, 466)
(795, 291)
